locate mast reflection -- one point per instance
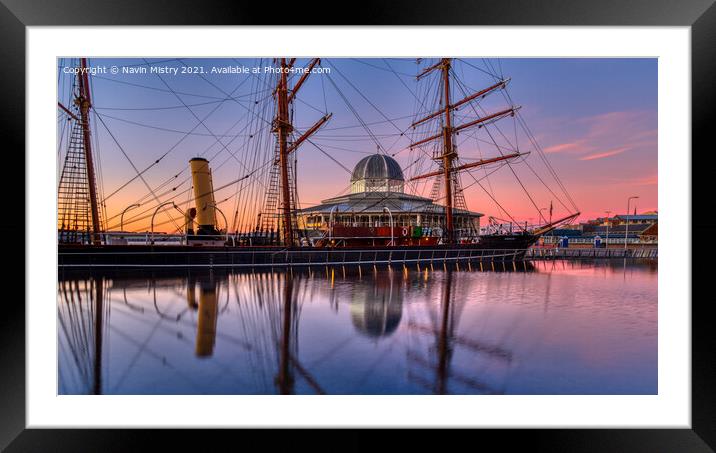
(82, 323)
(445, 339)
(162, 320)
(285, 380)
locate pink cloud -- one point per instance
(598, 129)
(616, 131)
(611, 152)
(564, 147)
(606, 123)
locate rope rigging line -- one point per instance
(432, 92)
(478, 68)
(147, 168)
(405, 74)
(216, 140)
(515, 149)
(165, 129)
(317, 139)
(372, 123)
(523, 124)
(201, 121)
(137, 215)
(131, 163)
(495, 201)
(173, 189)
(170, 107)
(188, 178)
(543, 157)
(253, 151)
(365, 98)
(329, 156)
(509, 165)
(201, 76)
(541, 153)
(404, 84)
(133, 220)
(186, 134)
(156, 89)
(353, 110)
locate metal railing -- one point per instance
(262, 257)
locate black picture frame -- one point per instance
(700, 15)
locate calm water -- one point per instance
(550, 328)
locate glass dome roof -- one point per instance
(377, 166)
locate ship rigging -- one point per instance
(263, 143)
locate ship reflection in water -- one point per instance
(548, 328)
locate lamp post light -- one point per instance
(626, 234)
(606, 245)
(543, 217)
(155, 213)
(186, 228)
(121, 217)
(390, 214)
(222, 215)
(330, 224)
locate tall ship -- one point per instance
(387, 214)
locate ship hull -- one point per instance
(490, 248)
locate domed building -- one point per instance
(377, 194)
(377, 173)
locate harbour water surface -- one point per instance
(556, 327)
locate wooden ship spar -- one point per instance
(354, 229)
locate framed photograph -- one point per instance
(452, 224)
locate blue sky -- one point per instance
(596, 120)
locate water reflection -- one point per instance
(441, 329)
(208, 308)
(376, 308)
(82, 326)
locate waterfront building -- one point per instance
(377, 182)
(638, 234)
(639, 219)
(650, 234)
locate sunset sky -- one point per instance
(595, 119)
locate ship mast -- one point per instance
(449, 153)
(83, 100)
(283, 127)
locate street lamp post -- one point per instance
(626, 234)
(606, 245)
(121, 217)
(390, 214)
(155, 213)
(330, 224)
(222, 215)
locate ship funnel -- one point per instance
(203, 196)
